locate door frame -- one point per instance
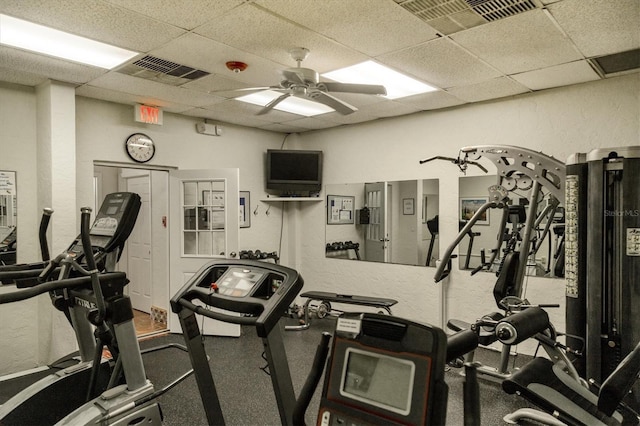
(160, 246)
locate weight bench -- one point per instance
(326, 298)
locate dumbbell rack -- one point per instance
(341, 246)
(260, 255)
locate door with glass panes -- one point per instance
(204, 223)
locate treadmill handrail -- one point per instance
(242, 320)
(260, 309)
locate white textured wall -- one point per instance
(19, 322)
(557, 122)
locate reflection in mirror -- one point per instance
(392, 222)
(482, 239)
(473, 191)
(8, 218)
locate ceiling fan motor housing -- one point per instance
(305, 75)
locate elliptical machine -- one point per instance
(91, 392)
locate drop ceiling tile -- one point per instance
(524, 42)
(243, 108)
(446, 25)
(97, 20)
(141, 87)
(369, 33)
(187, 15)
(127, 98)
(359, 116)
(218, 85)
(600, 27)
(431, 100)
(24, 78)
(227, 115)
(558, 75)
(310, 123)
(440, 63)
(211, 56)
(283, 128)
(389, 109)
(358, 100)
(52, 68)
(272, 37)
(497, 88)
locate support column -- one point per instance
(56, 158)
(56, 165)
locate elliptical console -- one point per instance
(384, 369)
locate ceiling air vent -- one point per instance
(492, 10)
(619, 62)
(434, 9)
(162, 70)
(450, 16)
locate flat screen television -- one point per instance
(294, 172)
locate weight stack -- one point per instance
(601, 294)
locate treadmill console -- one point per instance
(260, 291)
(384, 370)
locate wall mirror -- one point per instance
(8, 217)
(391, 221)
(473, 192)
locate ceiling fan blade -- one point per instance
(293, 76)
(268, 107)
(246, 89)
(365, 89)
(333, 102)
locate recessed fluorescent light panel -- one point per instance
(38, 38)
(398, 85)
(292, 104)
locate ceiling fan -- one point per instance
(305, 83)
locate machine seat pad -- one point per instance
(619, 383)
(547, 386)
(351, 299)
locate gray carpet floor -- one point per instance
(245, 391)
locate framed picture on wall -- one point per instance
(408, 206)
(470, 205)
(340, 209)
(245, 209)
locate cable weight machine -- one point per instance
(603, 258)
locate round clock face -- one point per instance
(140, 147)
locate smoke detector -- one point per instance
(236, 66)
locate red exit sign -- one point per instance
(147, 114)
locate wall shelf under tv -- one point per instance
(274, 199)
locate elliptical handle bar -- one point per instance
(91, 261)
(27, 293)
(42, 233)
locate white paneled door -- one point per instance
(204, 225)
(139, 265)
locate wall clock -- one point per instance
(140, 147)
